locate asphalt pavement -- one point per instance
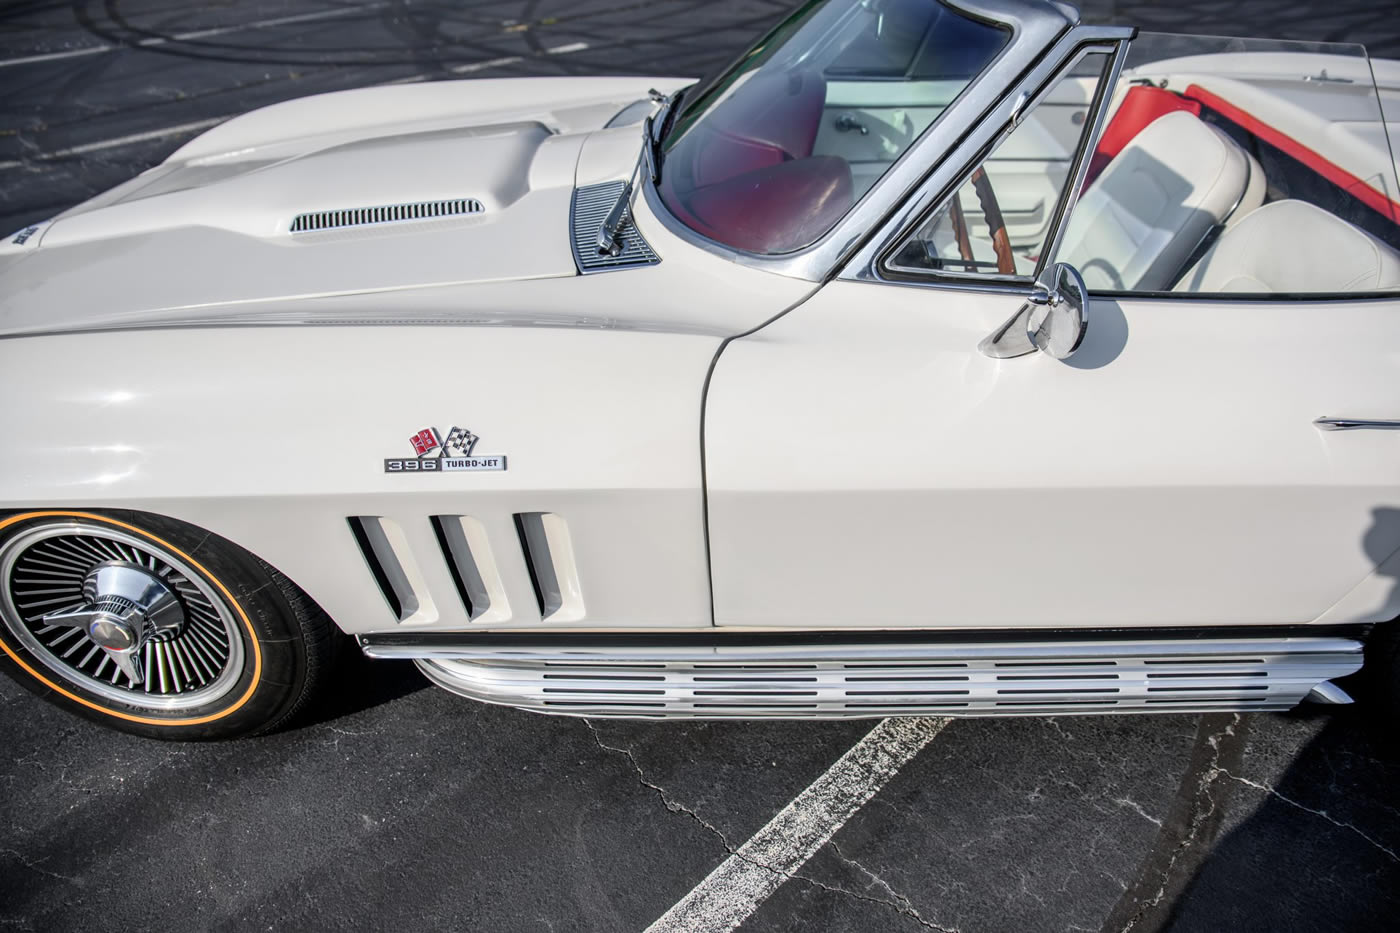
(399, 806)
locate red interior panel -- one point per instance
(755, 130)
(772, 209)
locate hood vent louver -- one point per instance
(591, 206)
(392, 213)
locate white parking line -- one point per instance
(733, 891)
(196, 34)
(471, 67)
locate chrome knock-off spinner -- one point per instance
(127, 605)
(119, 614)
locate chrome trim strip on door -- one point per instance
(1355, 424)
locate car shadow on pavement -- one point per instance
(1316, 848)
(357, 683)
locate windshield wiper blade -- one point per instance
(655, 127)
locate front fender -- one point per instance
(273, 437)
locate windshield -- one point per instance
(768, 156)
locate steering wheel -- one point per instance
(991, 210)
(960, 231)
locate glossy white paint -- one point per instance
(210, 227)
(868, 467)
(273, 438)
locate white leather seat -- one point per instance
(1137, 225)
(1293, 247)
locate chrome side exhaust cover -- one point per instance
(861, 680)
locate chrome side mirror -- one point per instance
(1053, 320)
(1060, 313)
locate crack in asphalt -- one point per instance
(1137, 808)
(35, 866)
(899, 904)
(1322, 813)
(671, 805)
(899, 901)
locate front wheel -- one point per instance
(153, 626)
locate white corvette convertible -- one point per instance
(936, 357)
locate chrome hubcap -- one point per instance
(118, 615)
(125, 606)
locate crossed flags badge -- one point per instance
(437, 454)
(459, 442)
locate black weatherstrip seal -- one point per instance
(719, 639)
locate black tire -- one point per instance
(1381, 673)
(286, 640)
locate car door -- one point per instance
(867, 466)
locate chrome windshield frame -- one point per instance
(1036, 28)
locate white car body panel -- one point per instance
(169, 254)
(849, 446)
(871, 468)
(275, 437)
(233, 430)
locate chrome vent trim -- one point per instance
(388, 214)
(857, 681)
(591, 204)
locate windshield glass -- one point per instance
(772, 153)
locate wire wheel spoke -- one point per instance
(45, 570)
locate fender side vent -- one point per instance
(591, 206)
(452, 538)
(549, 556)
(392, 213)
(380, 554)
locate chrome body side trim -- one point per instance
(1330, 694)
(1035, 28)
(832, 680)
(1355, 424)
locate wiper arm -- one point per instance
(611, 228)
(653, 131)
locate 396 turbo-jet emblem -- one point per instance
(436, 454)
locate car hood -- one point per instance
(393, 189)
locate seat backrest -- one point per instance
(1137, 225)
(1293, 247)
